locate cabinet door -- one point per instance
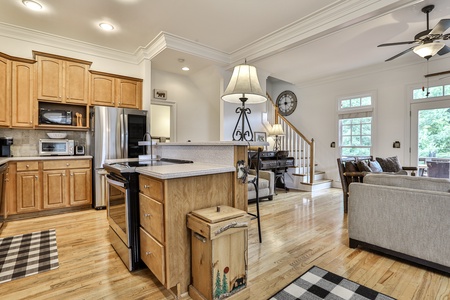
(129, 93)
(5, 92)
(77, 83)
(55, 189)
(102, 90)
(50, 79)
(80, 186)
(28, 191)
(22, 94)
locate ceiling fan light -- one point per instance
(428, 50)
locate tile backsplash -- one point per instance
(26, 142)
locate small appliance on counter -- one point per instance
(79, 150)
(56, 147)
(5, 146)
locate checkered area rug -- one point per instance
(318, 283)
(27, 254)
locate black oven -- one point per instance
(123, 216)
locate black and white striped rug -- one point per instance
(27, 254)
(318, 283)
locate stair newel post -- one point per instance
(311, 161)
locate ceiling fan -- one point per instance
(428, 40)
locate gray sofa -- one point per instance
(266, 185)
(404, 216)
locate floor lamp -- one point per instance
(244, 88)
(277, 131)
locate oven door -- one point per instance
(117, 195)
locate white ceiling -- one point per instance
(296, 41)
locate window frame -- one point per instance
(356, 112)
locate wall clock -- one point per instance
(287, 103)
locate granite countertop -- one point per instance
(26, 158)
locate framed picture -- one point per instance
(260, 136)
(160, 94)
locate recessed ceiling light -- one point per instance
(32, 4)
(185, 68)
(106, 26)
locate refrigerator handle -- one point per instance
(122, 137)
(125, 126)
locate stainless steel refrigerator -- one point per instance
(115, 133)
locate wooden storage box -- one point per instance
(219, 253)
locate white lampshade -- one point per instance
(244, 83)
(428, 50)
(277, 130)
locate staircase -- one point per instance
(304, 176)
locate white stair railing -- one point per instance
(298, 146)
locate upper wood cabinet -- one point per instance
(23, 94)
(5, 92)
(62, 79)
(115, 90)
(17, 91)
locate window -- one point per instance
(431, 92)
(355, 125)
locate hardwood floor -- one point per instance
(299, 230)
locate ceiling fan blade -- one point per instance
(398, 43)
(400, 54)
(441, 26)
(444, 50)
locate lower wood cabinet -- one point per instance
(48, 184)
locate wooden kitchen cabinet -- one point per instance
(55, 189)
(17, 91)
(5, 92)
(80, 187)
(62, 79)
(23, 94)
(115, 90)
(164, 237)
(28, 187)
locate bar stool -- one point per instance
(255, 182)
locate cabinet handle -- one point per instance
(35, 176)
(148, 253)
(71, 174)
(146, 186)
(147, 215)
(63, 174)
(67, 164)
(28, 166)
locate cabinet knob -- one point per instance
(67, 164)
(63, 174)
(35, 176)
(71, 174)
(147, 215)
(146, 186)
(148, 253)
(28, 166)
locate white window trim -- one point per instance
(369, 108)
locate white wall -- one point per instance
(197, 99)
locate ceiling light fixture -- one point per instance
(106, 26)
(428, 50)
(32, 4)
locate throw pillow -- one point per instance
(350, 167)
(390, 164)
(363, 166)
(375, 166)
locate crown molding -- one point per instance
(338, 15)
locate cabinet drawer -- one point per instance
(152, 217)
(27, 166)
(66, 164)
(152, 254)
(152, 188)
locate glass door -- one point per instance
(430, 138)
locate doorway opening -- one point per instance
(430, 138)
(163, 121)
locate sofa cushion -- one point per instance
(375, 166)
(411, 182)
(262, 183)
(363, 166)
(389, 164)
(351, 166)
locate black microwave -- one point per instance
(55, 116)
